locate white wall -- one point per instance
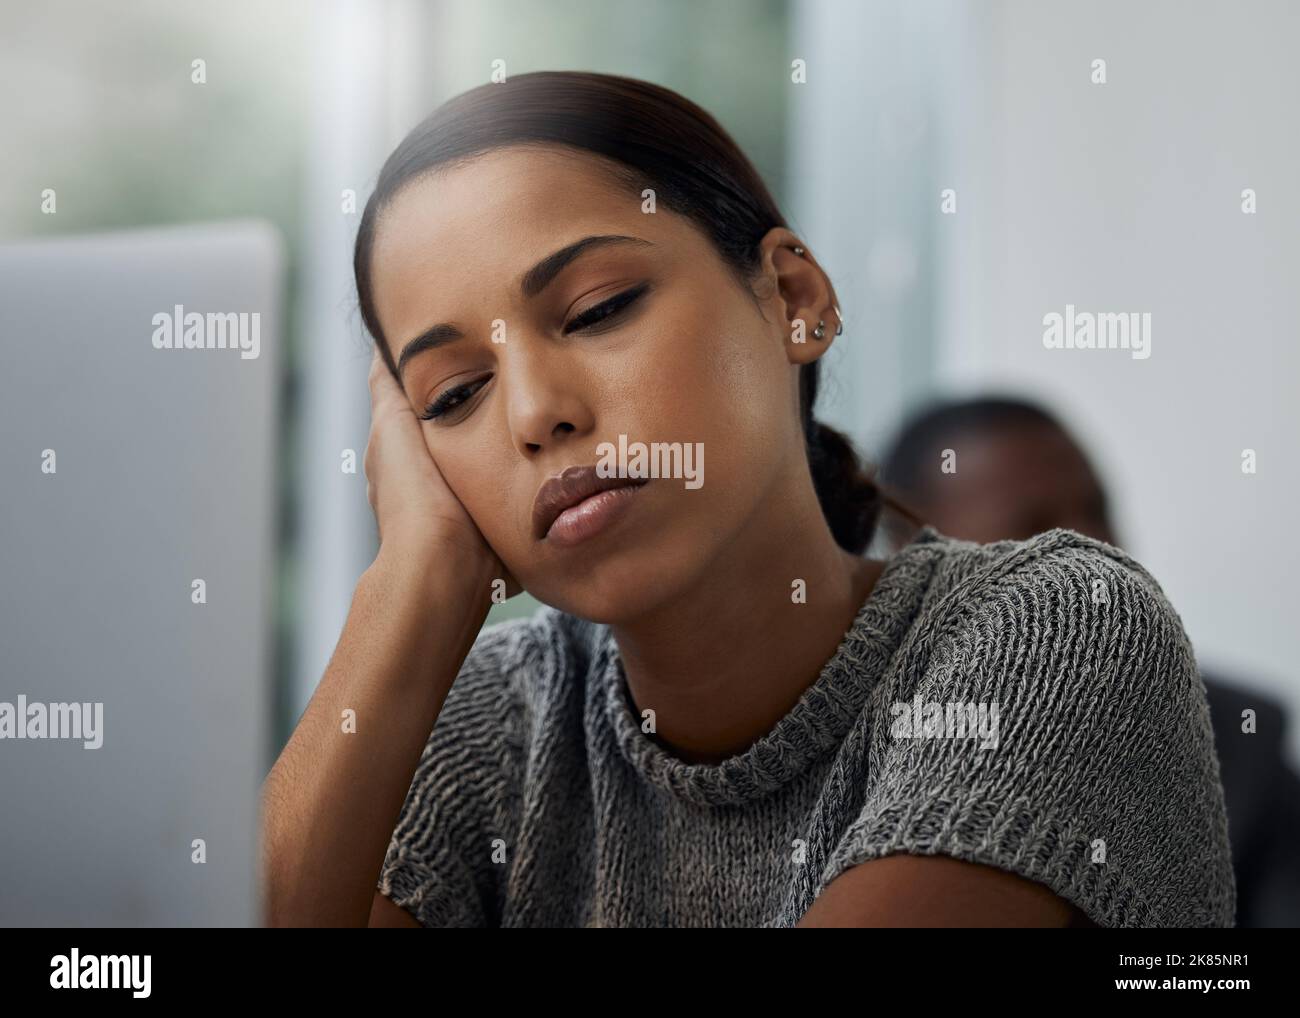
(1127, 197)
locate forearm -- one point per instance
(331, 801)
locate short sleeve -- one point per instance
(1053, 723)
(441, 864)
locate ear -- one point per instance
(801, 293)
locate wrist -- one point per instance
(445, 570)
(424, 607)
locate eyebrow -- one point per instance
(530, 285)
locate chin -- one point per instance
(619, 589)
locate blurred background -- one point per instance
(1119, 196)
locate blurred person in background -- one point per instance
(1021, 473)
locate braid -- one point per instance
(851, 498)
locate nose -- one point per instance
(546, 397)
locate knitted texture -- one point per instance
(539, 800)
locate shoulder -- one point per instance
(465, 791)
(1068, 635)
(1093, 599)
(1045, 715)
(1059, 556)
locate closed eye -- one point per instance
(451, 399)
(606, 310)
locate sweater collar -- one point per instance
(816, 724)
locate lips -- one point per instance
(567, 489)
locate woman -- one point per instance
(723, 714)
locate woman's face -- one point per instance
(690, 359)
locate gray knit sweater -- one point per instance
(1090, 767)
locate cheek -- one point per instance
(720, 382)
(478, 475)
(747, 378)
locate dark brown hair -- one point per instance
(651, 137)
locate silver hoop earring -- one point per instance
(839, 329)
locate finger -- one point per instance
(384, 390)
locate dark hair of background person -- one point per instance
(652, 138)
(907, 464)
